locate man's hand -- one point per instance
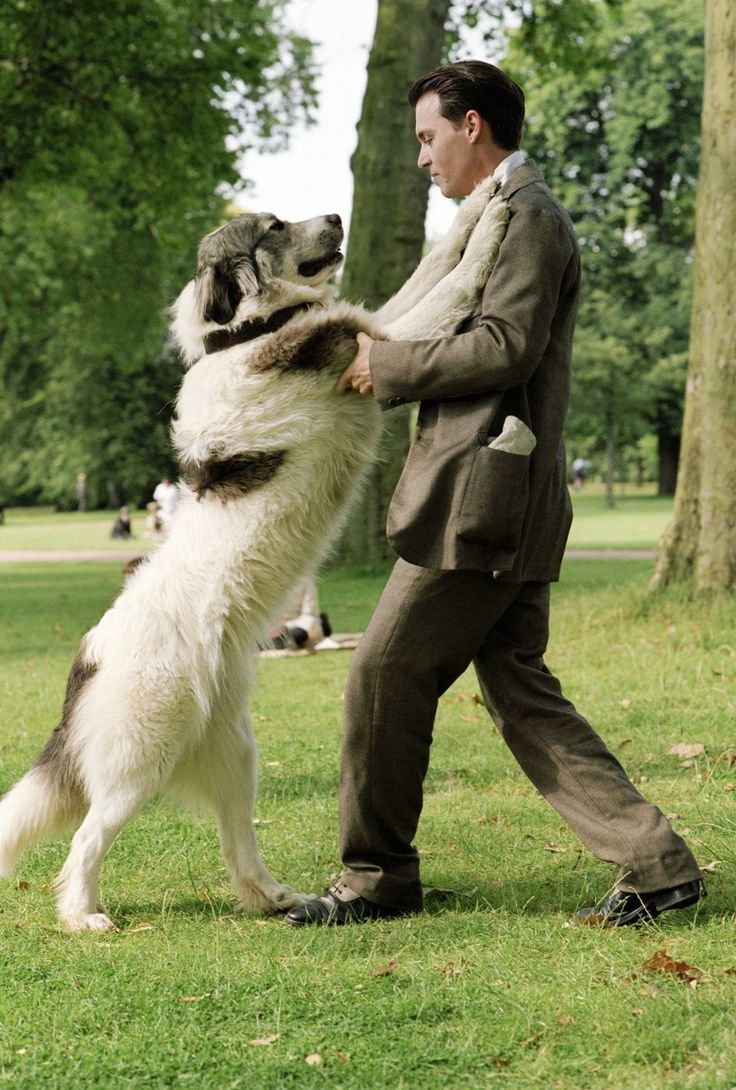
(357, 375)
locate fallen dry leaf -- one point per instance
(23, 885)
(661, 962)
(551, 847)
(565, 1019)
(141, 927)
(313, 1059)
(626, 703)
(452, 970)
(194, 998)
(710, 868)
(729, 756)
(344, 1057)
(387, 969)
(687, 749)
(270, 1040)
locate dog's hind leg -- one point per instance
(77, 884)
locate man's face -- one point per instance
(446, 150)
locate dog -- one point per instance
(157, 696)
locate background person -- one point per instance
(166, 495)
(154, 530)
(580, 470)
(303, 626)
(81, 489)
(121, 527)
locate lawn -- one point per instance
(491, 987)
(42, 528)
(636, 522)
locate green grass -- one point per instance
(636, 522)
(42, 528)
(492, 986)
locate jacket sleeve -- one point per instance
(518, 306)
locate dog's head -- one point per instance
(252, 266)
(261, 255)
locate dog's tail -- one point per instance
(39, 805)
(49, 798)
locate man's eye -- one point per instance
(277, 225)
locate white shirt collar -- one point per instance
(509, 165)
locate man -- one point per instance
(166, 495)
(472, 580)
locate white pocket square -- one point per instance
(515, 437)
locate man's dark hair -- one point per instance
(476, 85)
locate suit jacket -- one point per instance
(459, 503)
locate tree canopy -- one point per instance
(120, 131)
(615, 126)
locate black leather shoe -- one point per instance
(622, 908)
(330, 910)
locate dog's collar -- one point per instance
(248, 331)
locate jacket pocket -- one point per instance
(495, 499)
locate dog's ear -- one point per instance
(221, 285)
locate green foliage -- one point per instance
(120, 129)
(616, 131)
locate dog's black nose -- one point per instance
(334, 218)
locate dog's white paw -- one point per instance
(287, 898)
(92, 921)
(277, 898)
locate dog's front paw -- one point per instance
(287, 898)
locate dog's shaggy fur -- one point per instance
(157, 697)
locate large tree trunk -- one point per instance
(387, 220)
(699, 546)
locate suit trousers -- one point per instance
(428, 627)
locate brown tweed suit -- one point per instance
(461, 512)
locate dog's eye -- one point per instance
(277, 225)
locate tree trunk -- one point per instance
(387, 220)
(699, 545)
(610, 464)
(668, 456)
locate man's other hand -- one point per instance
(357, 375)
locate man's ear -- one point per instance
(473, 125)
(221, 286)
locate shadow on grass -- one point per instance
(531, 896)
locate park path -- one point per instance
(10, 556)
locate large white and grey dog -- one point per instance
(157, 696)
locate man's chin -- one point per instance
(450, 191)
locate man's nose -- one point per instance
(424, 159)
